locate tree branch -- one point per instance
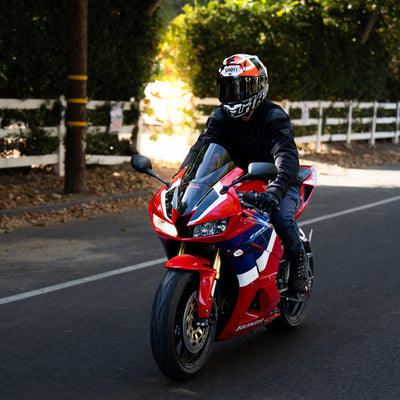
(371, 22)
(153, 7)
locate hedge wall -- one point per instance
(122, 44)
(311, 52)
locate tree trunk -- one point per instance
(75, 142)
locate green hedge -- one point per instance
(311, 51)
(122, 45)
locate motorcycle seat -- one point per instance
(304, 173)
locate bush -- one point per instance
(33, 139)
(309, 54)
(122, 45)
(35, 142)
(106, 143)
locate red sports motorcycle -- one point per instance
(227, 273)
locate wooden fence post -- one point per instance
(350, 122)
(396, 137)
(59, 168)
(372, 140)
(320, 122)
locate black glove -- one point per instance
(249, 197)
(267, 202)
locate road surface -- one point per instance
(75, 303)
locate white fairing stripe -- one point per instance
(163, 195)
(248, 277)
(263, 260)
(217, 187)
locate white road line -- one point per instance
(81, 281)
(150, 263)
(349, 211)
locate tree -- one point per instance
(382, 16)
(313, 49)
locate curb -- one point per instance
(69, 204)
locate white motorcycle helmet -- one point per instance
(242, 84)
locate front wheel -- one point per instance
(180, 341)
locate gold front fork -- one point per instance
(181, 249)
(216, 264)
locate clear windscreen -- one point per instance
(211, 163)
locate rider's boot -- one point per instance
(299, 266)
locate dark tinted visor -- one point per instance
(231, 89)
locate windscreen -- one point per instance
(211, 163)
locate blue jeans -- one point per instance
(284, 223)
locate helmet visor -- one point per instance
(232, 89)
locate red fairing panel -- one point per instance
(207, 277)
(307, 190)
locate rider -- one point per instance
(253, 128)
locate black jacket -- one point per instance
(267, 136)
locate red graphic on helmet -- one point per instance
(242, 84)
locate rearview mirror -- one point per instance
(262, 170)
(141, 163)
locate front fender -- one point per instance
(207, 278)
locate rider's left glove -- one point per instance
(267, 202)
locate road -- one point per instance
(89, 339)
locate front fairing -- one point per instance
(195, 196)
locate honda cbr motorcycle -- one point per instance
(227, 272)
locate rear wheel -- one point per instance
(293, 307)
(180, 341)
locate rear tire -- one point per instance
(294, 307)
(180, 347)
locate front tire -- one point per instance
(180, 345)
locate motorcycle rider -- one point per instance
(253, 128)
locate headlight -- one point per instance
(164, 226)
(211, 228)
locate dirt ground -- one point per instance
(107, 185)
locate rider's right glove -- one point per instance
(267, 202)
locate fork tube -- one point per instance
(217, 262)
(181, 249)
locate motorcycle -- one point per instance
(227, 272)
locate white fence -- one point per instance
(349, 123)
(57, 159)
(314, 115)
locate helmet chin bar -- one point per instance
(240, 109)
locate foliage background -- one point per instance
(123, 39)
(313, 49)
(122, 45)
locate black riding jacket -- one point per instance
(267, 136)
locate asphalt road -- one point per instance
(90, 339)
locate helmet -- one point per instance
(242, 84)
